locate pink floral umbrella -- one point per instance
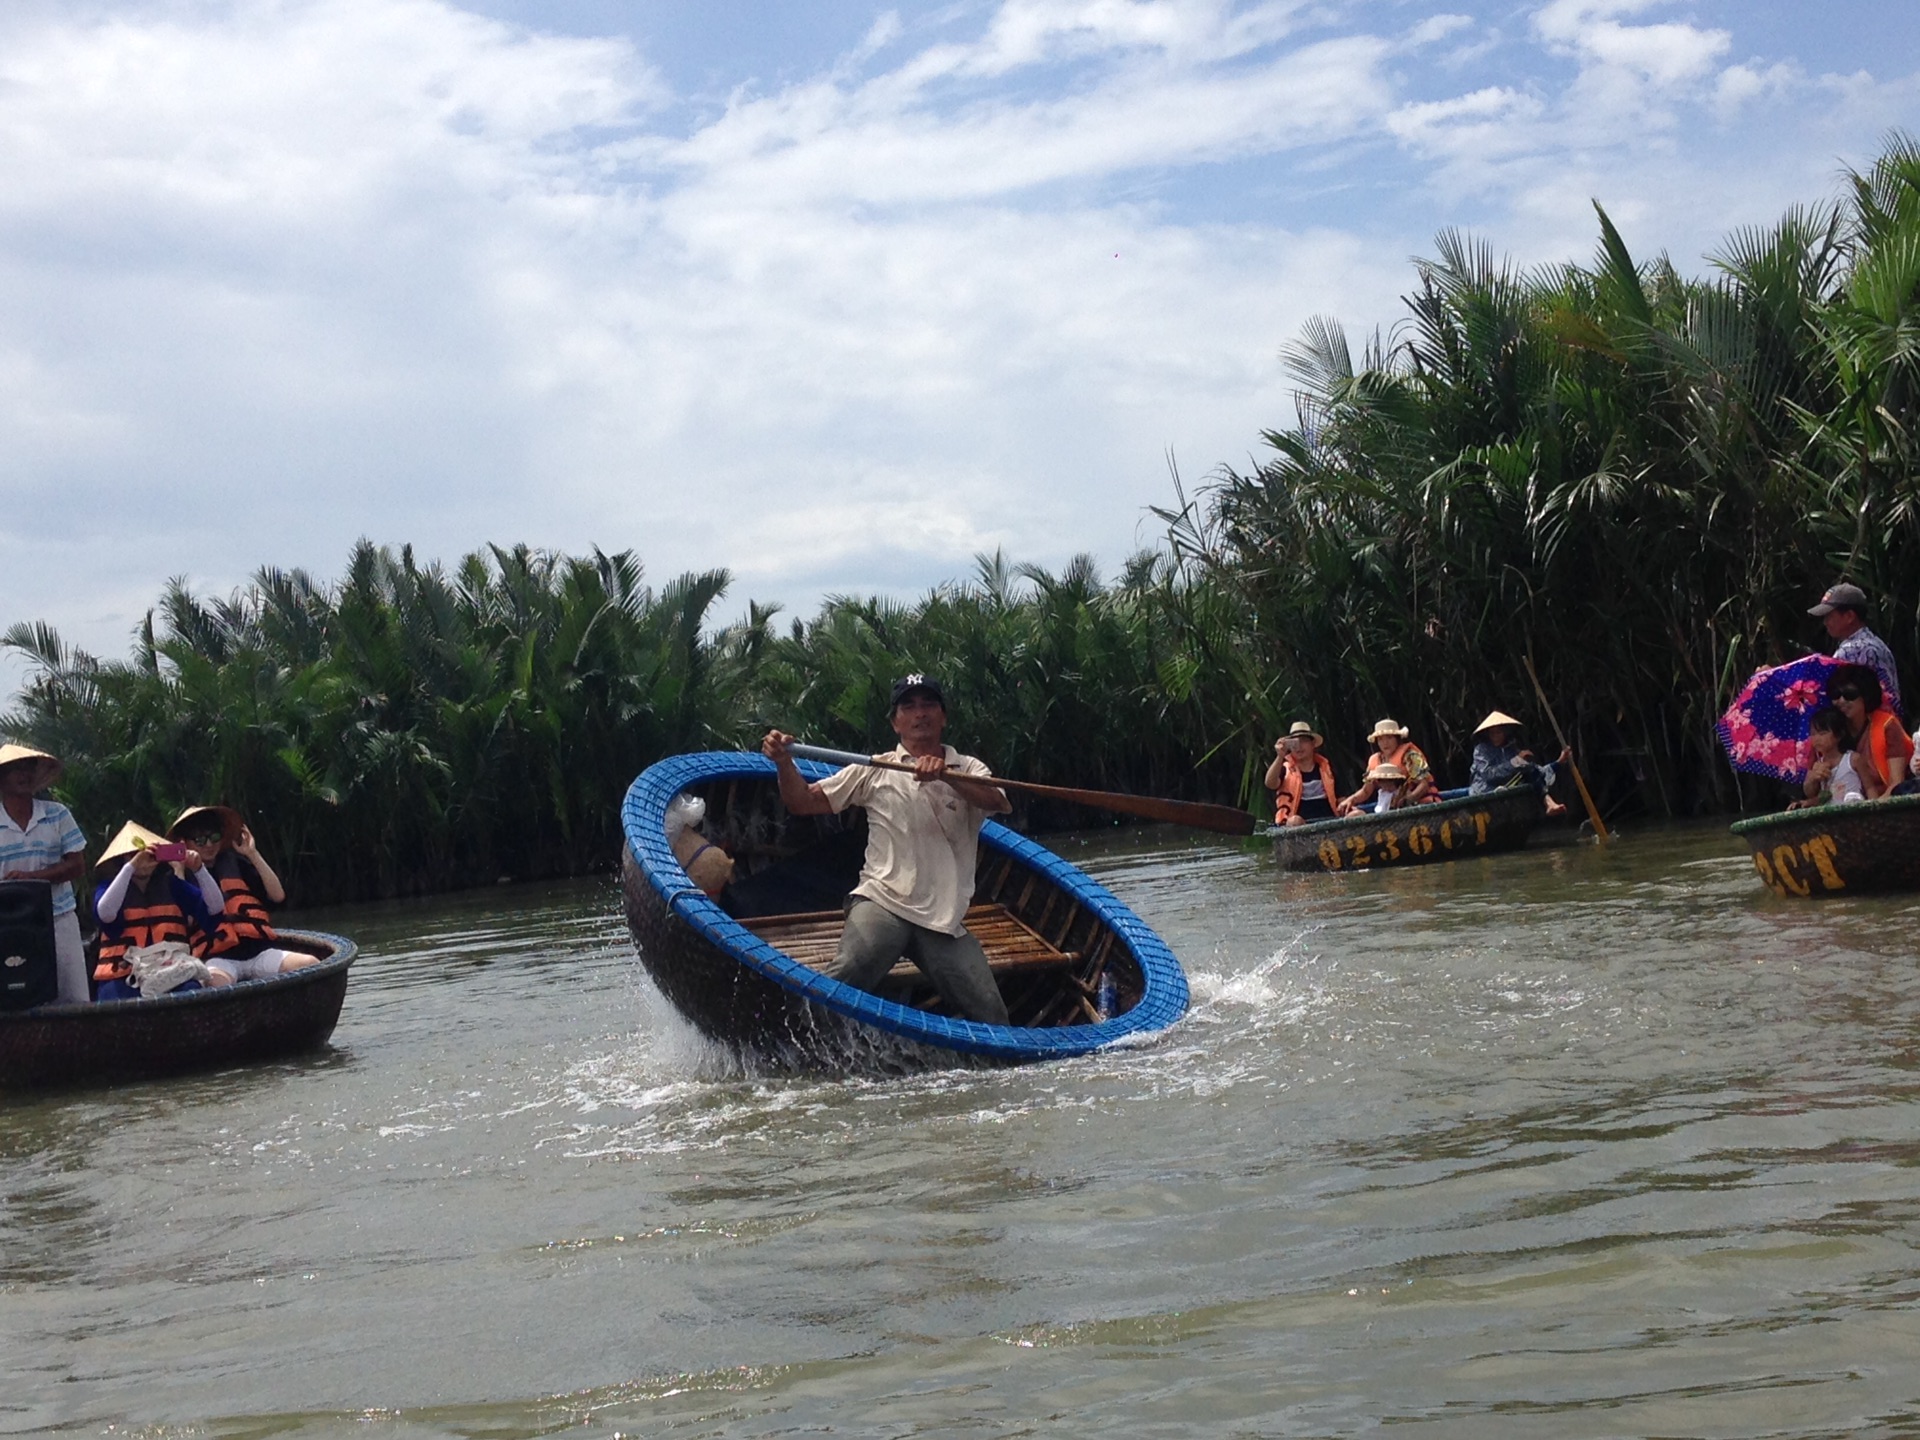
(1765, 729)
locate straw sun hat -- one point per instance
(1387, 772)
(133, 836)
(1388, 727)
(1303, 731)
(229, 820)
(50, 765)
(1498, 717)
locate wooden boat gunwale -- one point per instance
(1515, 810)
(1162, 1002)
(1854, 860)
(114, 1039)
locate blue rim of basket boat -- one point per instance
(643, 816)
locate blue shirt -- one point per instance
(51, 835)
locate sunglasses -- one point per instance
(210, 837)
(1848, 695)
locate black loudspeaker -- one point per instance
(27, 975)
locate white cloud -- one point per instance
(332, 267)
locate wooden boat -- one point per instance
(1863, 849)
(1448, 829)
(1077, 968)
(202, 1030)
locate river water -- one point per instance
(1572, 1143)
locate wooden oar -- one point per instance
(1586, 797)
(1222, 819)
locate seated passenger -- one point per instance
(1301, 778)
(40, 841)
(241, 945)
(1882, 749)
(1830, 779)
(1394, 748)
(1385, 789)
(147, 901)
(1498, 761)
(706, 864)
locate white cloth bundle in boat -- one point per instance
(163, 968)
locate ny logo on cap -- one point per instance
(914, 680)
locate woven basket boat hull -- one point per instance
(1829, 850)
(203, 1030)
(746, 993)
(1416, 835)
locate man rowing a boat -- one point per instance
(923, 831)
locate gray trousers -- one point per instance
(875, 938)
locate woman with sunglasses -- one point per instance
(1882, 749)
(242, 945)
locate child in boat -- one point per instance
(706, 864)
(1384, 789)
(1830, 779)
(147, 901)
(241, 945)
(1301, 779)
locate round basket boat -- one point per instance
(204, 1029)
(1414, 835)
(1077, 968)
(1828, 850)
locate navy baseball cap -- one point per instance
(916, 684)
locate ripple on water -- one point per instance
(1574, 1142)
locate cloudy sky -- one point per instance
(833, 294)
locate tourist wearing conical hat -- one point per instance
(242, 944)
(147, 901)
(1394, 746)
(1499, 761)
(40, 841)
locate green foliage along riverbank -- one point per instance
(1642, 478)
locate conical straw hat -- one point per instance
(1498, 717)
(230, 822)
(133, 836)
(50, 765)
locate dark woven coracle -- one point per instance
(1414, 835)
(203, 1030)
(1831, 850)
(752, 997)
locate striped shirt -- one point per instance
(51, 835)
(1863, 647)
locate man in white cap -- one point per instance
(40, 841)
(1843, 609)
(923, 832)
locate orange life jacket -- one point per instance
(244, 919)
(1293, 780)
(146, 918)
(1885, 738)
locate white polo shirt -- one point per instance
(51, 835)
(921, 839)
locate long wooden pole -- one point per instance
(1222, 819)
(1586, 796)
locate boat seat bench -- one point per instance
(1012, 947)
